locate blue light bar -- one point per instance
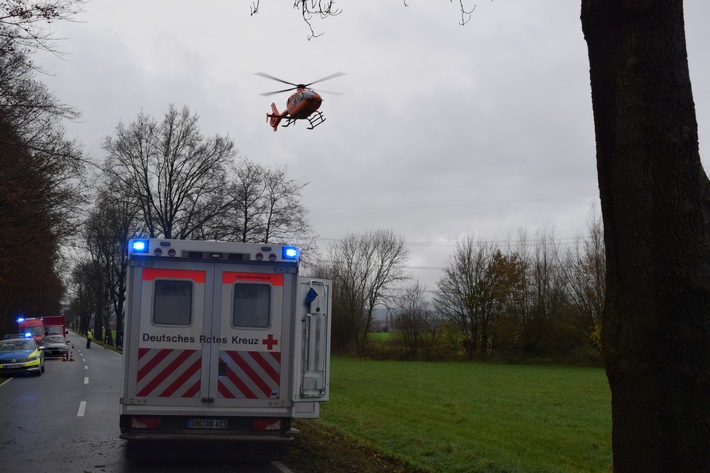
(139, 246)
(20, 319)
(290, 252)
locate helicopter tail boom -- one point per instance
(274, 118)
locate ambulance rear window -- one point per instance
(252, 305)
(173, 303)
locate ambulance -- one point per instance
(223, 341)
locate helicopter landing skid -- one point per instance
(315, 119)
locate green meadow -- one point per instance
(472, 417)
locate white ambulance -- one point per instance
(222, 341)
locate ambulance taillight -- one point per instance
(266, 424)
(145, 422)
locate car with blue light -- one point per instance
(20, 355)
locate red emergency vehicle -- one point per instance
(54, 325)
(31, 327)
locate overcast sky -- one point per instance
(442, 130)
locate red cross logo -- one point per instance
(270, 342)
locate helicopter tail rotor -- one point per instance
(274, 118)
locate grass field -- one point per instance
(468, 417)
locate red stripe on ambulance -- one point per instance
(166, 373)
(150, 274)
(251, 375)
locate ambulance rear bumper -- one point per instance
(239, 428)
(207, 436)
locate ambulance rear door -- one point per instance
(212, 335)
(312, 345)
(167, 356)
(251, 357)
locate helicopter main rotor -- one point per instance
(295, 86)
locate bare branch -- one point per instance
(308, 8)
(465, 14)
(326, 8)
(28, 24)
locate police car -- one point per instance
(20, 355)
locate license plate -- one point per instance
(206, 424)
(13, 367)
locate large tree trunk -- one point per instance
(654, 195)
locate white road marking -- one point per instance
(86, 380)
(281, 467)
(86, 367)
(82, 409)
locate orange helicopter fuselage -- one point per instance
(300, 105)
(303, 103)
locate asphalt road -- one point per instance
(67, 421)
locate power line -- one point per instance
(452, 243)
(459, 206)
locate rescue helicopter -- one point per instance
(302, 105)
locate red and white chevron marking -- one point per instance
(168, 373)
(250, 375)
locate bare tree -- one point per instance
(414, 319)
(36, 150)
(538, 302)
(247, 213)
(82, 292)
(176, 176)
(111, 223)
(466, 292)
(40, 190)
(286, 219)
(364, 267)
(585, 271)
(265, 207)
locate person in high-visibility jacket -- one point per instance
(88, 339)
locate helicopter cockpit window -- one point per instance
(298, 97)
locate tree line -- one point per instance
(41, 177)
(530, 298)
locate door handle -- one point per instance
(207, 399)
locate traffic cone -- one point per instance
(71, 355)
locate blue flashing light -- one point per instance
(20, 319)
(139, 246)
(290, 253)
(28, 335)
